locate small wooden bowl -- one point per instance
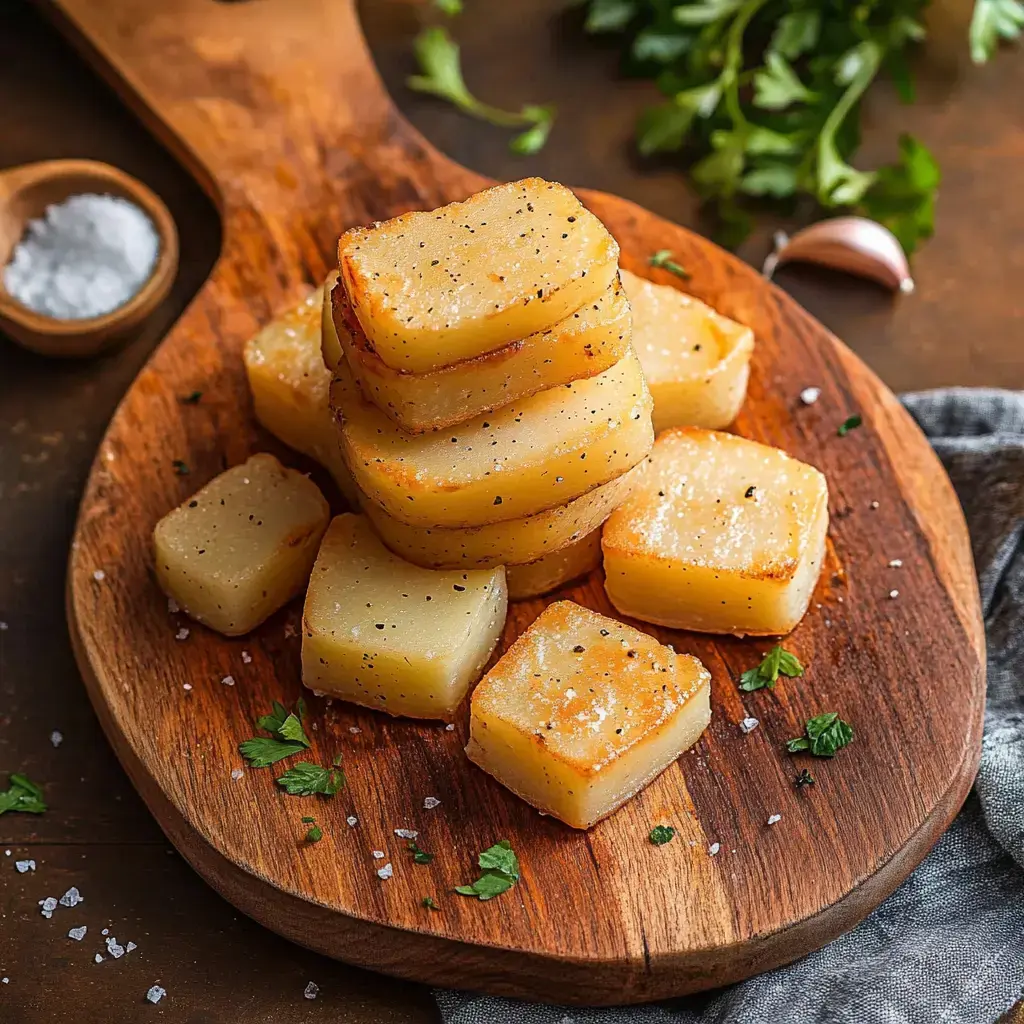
(25, 193)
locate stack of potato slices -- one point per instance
(491, 408)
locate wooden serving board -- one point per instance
(277, 108)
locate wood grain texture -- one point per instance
(276, 107)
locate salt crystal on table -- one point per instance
(130, 947)
(246, 657)
(895, 563)
(187, 686)
(450, 727)
(99, 575)
(894, 593)
(56, 738)
(236, 773)
(354, 729)
(49, 905)
(385, 872)
(378, 854)
(114, 948)
(430, 802)
(406, 833)
(749, 724)
(182, 633)
(172, 606)
(25, 865)
(773, 818)
(228, 680)
(78, 933)
(106, 931)
(810, 395)
(97, 959)
(156, 993)
(5, 981)
(71, 898)
(352, 820)
(311, 990)
(714, 848)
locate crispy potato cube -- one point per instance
(555, 569)
(432, 289)
(291, 386)
(696, 361)
(388, 635)
(582, 712)
(510, 542)
(723, 535)
(242, 546)
(584, 344)
(535, 454)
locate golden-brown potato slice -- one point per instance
(382, 633)
(555, 569)
(584, 344)
(723, 535)
(432, 289)
(510, 542)
(696, 361)
(290, 388)
(582, 712)
(535, 454)
(243, 546)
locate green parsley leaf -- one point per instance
(419, 856)
(307, 779)
(665, 127)
(440, 75)
(315, 832)
(180, 467)
(777, 85)
(22, 796)
(428, 902)
(291, 729)
(706, 12)
(261, 752)
(449, 7)
(903, 195)
(824, 735)
(500, 868)
(661, 834)
(850, 423)
(663, 259)
(805, 778)
(191, 399)
(992, 21)
(778, 661)
(609, 15)
(662, 47)
(796, 33)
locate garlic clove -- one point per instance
(855, 245)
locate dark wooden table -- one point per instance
(964, 326)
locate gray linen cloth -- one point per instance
(948, 946)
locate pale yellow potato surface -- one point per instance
(380, 632)
(696, 361)
(582, 712)
(435, 288)
(535, 454)
(555, 569)
(241, 547)
(291, 388)
(511, 542)
(587, 342)
(723, 535)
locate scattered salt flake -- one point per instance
(386, 871)
(130, 947)
(714, 848)
(3, 629)
(56, 738)
(187, 686)
(450, 727)
(78, 933)
(7, 853)
(352, 820)
(236, 773)
(156, 993)
(25, 865)
(246, 657)
(5, 981)
(182, 633)
(106, 931)
(228, 680)
(72, 898)
(379, 855)
(172, 606)
(430, 802)
(894, 593)
(355, 730)
(749, 724)
(99, 575)
(874, 504)
(49, 905)
(97, 959)
(773, 818)
(406, 833)
(896, 563)
(114, 948)
(810, 395)
(311, 990)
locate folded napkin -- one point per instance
(948, 946)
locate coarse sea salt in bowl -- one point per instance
(120, 273)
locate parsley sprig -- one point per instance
(764, 98)
(665, 259)
(308, 779)
(419, 856)
(441, 75)
(661, 834)
(823, 736)
(777, 662)
(22, 795)
(500, 868)
(288, 736)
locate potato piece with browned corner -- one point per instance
(582, 712)
(584, 344)
(243, 546)
(723, 535)
(535, 454)
(291, 388)
(696, 361)
(510, 542)
(555, 569)
(388, 635)
(432, 289)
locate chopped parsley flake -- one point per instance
(419, 856)
(308, 779)
(428, 902)
(500, 871)
(286, 728)
(778, 661)
(191, 398)
(180, 467)
(661, 834)
(850, 423)
(664, 259)
(823, 736)
(22, 795)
